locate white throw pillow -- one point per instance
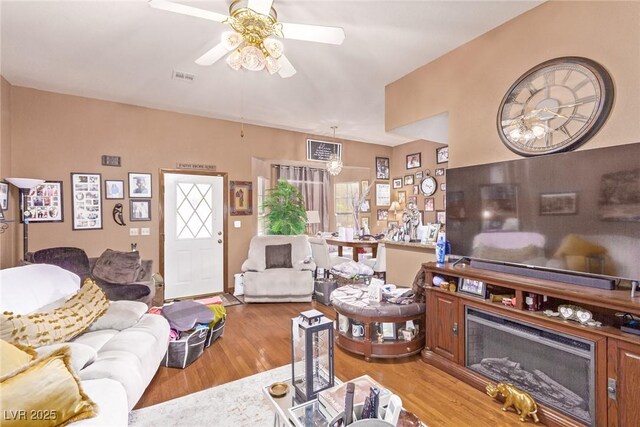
(26, 289)
(120, 315)
(81, 354)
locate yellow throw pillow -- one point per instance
(43, 393)
(576, 245)
(12, 357)
(59, 325)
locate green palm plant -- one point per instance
(287, 214)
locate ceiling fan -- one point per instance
(253, 44)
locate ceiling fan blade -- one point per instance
(262, 7)
(286, 69)
(313, 33)
(187, 10)
(213, 55)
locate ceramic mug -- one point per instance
(357, 330)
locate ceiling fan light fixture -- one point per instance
(231, 39)
(274, 47)
(234, 60)
(252, 58)
(272, 64)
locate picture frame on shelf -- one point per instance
(441, 217)
(382, 168)
(558, 204)
(408, 180)
(397, 183)
(4, 196)
(364, 222)
(86, 203)
(113, 189)
(365, 207)
(42, 203)
(476, 288)
(1, 214)
(139, 185)
(383, 215)
(442, 155)
(414, 160)
(383, 194)
(429, 204)
(402, 197)
(139, 210)
(389, 331)
(432, 232)
(439, 171)
(241, 197)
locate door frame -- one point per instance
(225, 211)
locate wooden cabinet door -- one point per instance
(445, 326)
(624, 368)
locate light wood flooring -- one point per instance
(257, 338)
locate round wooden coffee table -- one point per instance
(377, 330)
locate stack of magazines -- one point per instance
(331, 401)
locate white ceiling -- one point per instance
(125, 51)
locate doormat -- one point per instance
(229, 300)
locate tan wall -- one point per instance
(470, 81)
(54, 135)
(399, 170)
(8, 238)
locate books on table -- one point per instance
(331, 401)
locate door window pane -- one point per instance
(194, 211)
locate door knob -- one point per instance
(219, 240)
(219, 233)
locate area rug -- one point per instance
(229, 300)
(238, 403)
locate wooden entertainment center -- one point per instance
(616, 354)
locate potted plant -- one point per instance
(287, 214)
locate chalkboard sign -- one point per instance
(321, 150)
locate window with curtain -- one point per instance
(263, 185)
(344, 193)
(313, 183)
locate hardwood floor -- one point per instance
(257, 338)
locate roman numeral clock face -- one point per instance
(556, 106)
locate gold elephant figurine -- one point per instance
(522, 401)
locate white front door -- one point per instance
(193, 234)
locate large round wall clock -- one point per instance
(556, 106)
(428, 185)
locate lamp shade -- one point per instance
(395, 206)
(25, 183)
(313, 217)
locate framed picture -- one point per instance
(241, 196)
(139, 210)
(402, 197)
(472, 287)
(392, 223)
(113, 189)
(383, 214)
(364, 184)
(432, 232)
(419, 175)
(559, 204)
(413, 199)
(320, 151)
(42, 203)
(86, 191)
(383, 194)
(439, 171)
(4, 196)
(619, 196)
(408, 180)
(414, 160)
(441, 217)
(397, 183)
(364, 222)
(443, 186)
(139, 185)
(416, 190)
(365, 206)
(389, 331)
(442, 155)
(382, 168)
(429, 204)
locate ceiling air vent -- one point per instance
(183, 76)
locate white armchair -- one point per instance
(286, 276)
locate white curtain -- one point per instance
(314, 185)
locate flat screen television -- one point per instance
(576, 212)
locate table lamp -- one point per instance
(25, 184)
(313, 217)
(395, 207)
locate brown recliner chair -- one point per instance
(120, 275)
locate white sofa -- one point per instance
(115, 359)
(262, 284)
